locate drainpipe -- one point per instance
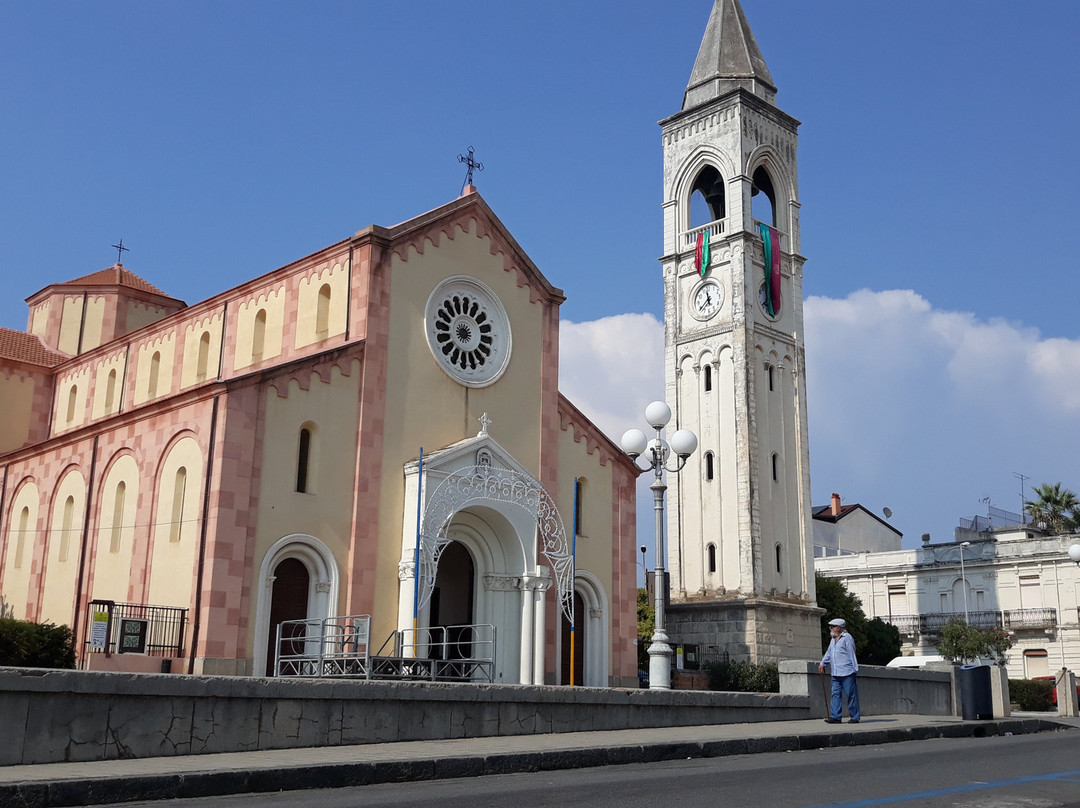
(196, 622)
(82, 548)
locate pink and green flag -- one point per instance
(771, 242)
(701, 253)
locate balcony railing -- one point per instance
(934, 622)
(163, 629)
(714, 229)
(1030, 618)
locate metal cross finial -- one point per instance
(484, 421)
(120, 250)
(472, 164)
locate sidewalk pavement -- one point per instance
(108, 781)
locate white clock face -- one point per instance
(707, 300)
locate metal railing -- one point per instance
(165, 627)
(1030, 618)
(934, 622)
(438, 653)
(339, 647)
(333, 646)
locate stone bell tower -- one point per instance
(739, 521)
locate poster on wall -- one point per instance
(99, 631)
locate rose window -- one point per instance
(468, 331)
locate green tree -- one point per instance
(882, 643)
(646, 624)
(834, 598)
(961, 642)
(1058, 507)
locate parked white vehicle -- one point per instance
(915, 661)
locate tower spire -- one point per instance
(729, 58)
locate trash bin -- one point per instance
(976, 699)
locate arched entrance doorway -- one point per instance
(288, 601)
(578, 638)
(453, 598)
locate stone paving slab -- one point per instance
(66, 784)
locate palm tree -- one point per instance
(1055, 506)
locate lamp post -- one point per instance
(635, 444)
(963, 578)
(1074, 553)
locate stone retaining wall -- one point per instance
(53, 716)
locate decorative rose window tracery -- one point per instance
(468, 331)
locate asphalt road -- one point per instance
(1032, 771)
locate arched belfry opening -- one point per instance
(708, 200)
(763, 197)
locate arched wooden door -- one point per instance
(289, 601)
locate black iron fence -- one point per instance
(119, 628)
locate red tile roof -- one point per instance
(23, 347)
(115, 275)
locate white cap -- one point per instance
(838, 621)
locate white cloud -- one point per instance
(922, 410)
(612, 368)
(927, 411)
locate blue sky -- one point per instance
(938, 178)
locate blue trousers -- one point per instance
(844, 688)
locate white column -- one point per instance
(541, 585)
(527, 630)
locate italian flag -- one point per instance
(701, 254)
(771, 242)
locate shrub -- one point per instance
(743, 677)
(35, 645)
(1031, 695)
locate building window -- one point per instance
(710, 553)
(20, 540)
(65, 528)
(322, 313)
(708, 465)
(1030, 592)
(155, 369)
(779, 559)
(118, 516)
(1036, 663)
(303, 461)
(579, 506)
(204, 357)
(110, 390)
(73, 395)
(258, 336)
(708, 378)
(775, 467)
(771, 382)
(176, 525)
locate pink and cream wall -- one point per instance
(166, 472)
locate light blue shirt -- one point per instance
(841, 656)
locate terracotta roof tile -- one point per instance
(115, 275)
(23, 347)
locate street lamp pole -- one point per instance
(635, 444)
(963, 579)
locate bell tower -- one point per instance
(739, 519)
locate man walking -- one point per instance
(840, 657)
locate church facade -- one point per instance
(740, 518)
(296, 446)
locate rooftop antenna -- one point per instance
(472, 164)
(1023, 479)
(120, 250)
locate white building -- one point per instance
(843, 529)
(1018, 579)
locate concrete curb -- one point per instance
(46, 793)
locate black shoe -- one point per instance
(853, 721)
(832, 720)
